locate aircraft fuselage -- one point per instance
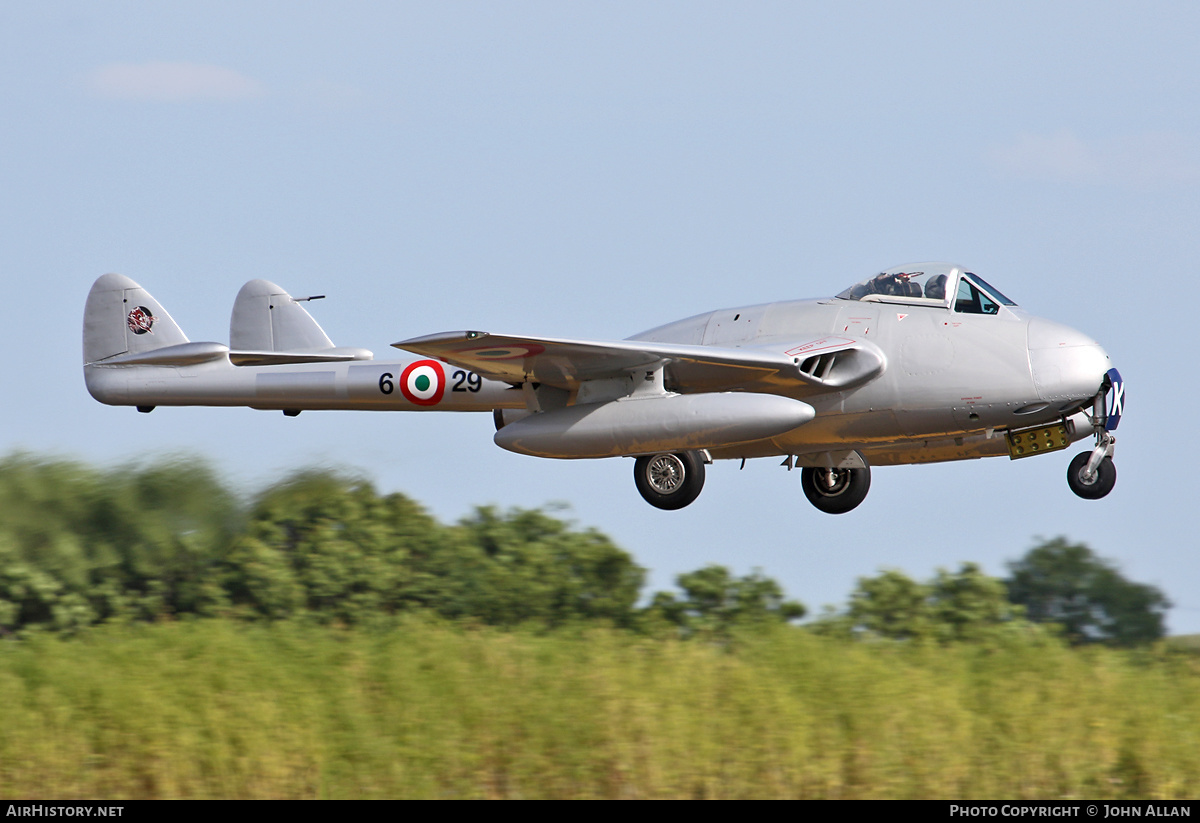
(949, 377)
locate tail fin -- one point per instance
(269, 326)
(121, 317)
(266, 318)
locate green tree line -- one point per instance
(1057, 589)
(81, 545)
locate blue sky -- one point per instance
(592, 170)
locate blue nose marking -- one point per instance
(1116, 399)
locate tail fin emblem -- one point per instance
(140, 320)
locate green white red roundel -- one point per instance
(423, 382)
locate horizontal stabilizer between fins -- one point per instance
(183, 354)
(191, 354)
(339, 354)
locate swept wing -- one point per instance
(565, 363)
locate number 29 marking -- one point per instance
(473, 381)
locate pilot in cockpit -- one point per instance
(896, 284)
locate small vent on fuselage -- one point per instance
(819, 365)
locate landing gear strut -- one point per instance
(836, 491)
(669, 480)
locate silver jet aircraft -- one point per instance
(918, 364)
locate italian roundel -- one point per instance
(423, 382)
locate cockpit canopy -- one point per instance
(930, 284)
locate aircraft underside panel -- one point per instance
(887, 452)
(895, 453)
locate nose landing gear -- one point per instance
(1093, 474)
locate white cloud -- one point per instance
(1145, 160)
(172, 82)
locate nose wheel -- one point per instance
(669, 480)
(1093, 474)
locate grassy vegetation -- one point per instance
(1185, 642)
(214, 708)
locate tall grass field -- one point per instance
(220, 709)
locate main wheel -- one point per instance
(836, 491)
(1102, 483)
(669, 481)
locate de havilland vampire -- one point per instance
(918, 364)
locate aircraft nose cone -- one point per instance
(1067, 365)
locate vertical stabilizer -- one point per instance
(121, 316)
(267, 319)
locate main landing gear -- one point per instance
(836, 491)
(669, 480)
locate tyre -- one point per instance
(848, 489)
(1102, 483)
(669, 481)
